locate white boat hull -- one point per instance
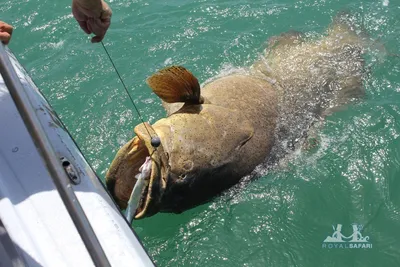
(31, 211)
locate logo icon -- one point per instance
(355, 240)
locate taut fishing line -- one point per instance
(155, 141)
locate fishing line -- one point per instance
(155, 141)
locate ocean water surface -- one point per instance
(280, 219)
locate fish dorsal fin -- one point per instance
(176, 84)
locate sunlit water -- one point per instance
(280, 219)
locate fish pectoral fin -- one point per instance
(176, 84)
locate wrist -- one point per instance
(96, 8)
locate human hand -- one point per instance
(5, 32)
(93, 16)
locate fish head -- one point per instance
(195, 160)
(120, 177)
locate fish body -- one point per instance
(214, 136)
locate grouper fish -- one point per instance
(214, 136)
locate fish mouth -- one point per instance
(120, 177)
(152, 193)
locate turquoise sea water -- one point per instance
(280, 219)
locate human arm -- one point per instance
(5, 32)
(93, 16)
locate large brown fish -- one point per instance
(223, 131)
